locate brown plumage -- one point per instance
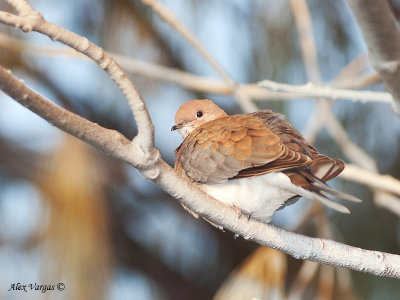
(218, 148)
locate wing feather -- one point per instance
(235, 147)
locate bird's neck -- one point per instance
(186, 130)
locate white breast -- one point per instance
(259, 195)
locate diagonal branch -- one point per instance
(149, 163)
(299, 246)
(31, 20)
(107, 140)
(370, 178)
(302, 17)
(174, 22)
(243, 99)
(382, 37)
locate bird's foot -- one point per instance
(249, 215)
(240, 212)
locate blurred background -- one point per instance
(73, 215)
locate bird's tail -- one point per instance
(314, 188)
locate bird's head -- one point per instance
(195, 113)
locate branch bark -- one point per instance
(312, 90)
(382, 37)
(272, 89)
(30, 20)
(148, 161)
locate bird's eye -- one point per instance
(199, 114)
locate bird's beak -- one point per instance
(175, 127)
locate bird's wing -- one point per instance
(321, 167)
(324, 167)
(235, 146)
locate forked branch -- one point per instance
(141, 154)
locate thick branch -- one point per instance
(299, 246)
(382, 37)
(30, 20)
(109, 141)
(319, 250)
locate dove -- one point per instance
(256, 163)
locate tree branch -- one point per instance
(388, 201)
(188, 80)
(382, 37)
(174, 22)
(155, 169)
(109, 141)
(377, 181)
(303, 21)
(299, 246)
(323, 114)
(31, 20)
(168, 16)
(312, 90)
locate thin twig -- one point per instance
(326, 283)
(302, 17)
(388, 201)
(352, 70)
(244, 100)
(353, 152)
(344, 284)
(313, 91)
(360, 82)
(302, 280)
(170, 18)
(191, 81)
(372, 179)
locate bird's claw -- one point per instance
(241, 212)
